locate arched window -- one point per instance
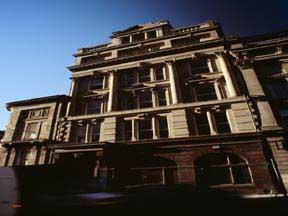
(218, 169)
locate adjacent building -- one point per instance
(164, 105)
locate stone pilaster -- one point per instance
(108, 130)
(174, 85)
(179, 126)
(255, 90)
(228, 78)
(3, 155)
(112, 102)
(43, 152)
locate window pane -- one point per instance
(151, 34)
(145, 129)
(159, 72)
(144, 75)
(138, 37)
(163, 127)
(81, 132)
(95, 132)
(213, 169)
(125, 40)
(222, 123)
(218, 175)
(35, 113)
(241, 174)
(145, 100)
(202, 124)
(161, 97)
(127, 129)
(205, 92)
(198, 67)
(235, 159)
(96, 83)
(129, 78)
(31, 131)
(128, 102)
(93, 107)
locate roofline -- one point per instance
(53, 98)
(121, 33)
(259, 37)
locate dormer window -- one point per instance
(151, 34)
(96, 83)
(125, 40)
(138, 37)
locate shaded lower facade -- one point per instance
(242, 164)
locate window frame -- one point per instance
(227, 167)
(37, 130)
(100, 100)
(95, 78)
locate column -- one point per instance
(154, 98)
(134, 130)
(71, 94)
(111, 98)
(211, 122)
(172, 79)
(11, 157)
(209, 63)
(3, 155)
(154, 128)
(167, 96)
(87, 135)
(42, 155)
(31, 158)
(229, 82)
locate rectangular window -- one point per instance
(163, 127)
(145, 99)
(159, 74)
(145, 130)
(39, 113)
(96, 83)
(93, 107)
(35, 113)
(138, 37)
(199, 67)
(129, 78)
(151, 34)
(144, 75)
(80, 134)
(127, 130)
(45, 112)
(221, 122)
(202, 124)
(31, 131)
(161, 97)
(205, 92)
(95, 132)
(128, 102)
(125, 40)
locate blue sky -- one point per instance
(38, 38)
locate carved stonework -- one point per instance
(243, 61)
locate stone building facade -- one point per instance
(159, 105)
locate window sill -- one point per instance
(233, 185)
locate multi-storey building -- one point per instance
(158, 105)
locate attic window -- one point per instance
(125, 40)
(138, 37)
(151, 34)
